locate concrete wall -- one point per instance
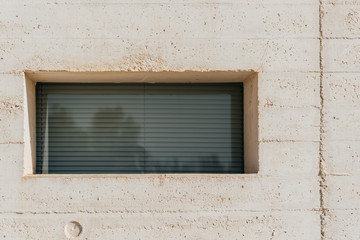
(341, 118)
(306, 53)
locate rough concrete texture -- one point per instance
(340, 119)
(307, 55)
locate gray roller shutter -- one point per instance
(139, 128)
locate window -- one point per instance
(139, 128)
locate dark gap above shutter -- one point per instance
(139, 128)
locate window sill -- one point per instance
(136, 176)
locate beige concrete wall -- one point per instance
(308, 68)
(341, 118)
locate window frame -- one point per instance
(250, 85)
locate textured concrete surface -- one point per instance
(340, 135)
(307, 55)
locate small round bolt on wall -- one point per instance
(73, 229)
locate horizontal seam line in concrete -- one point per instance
(347, 175)
(157, 211)
(165, 3)
(169, 38)
(341, 38)
(276, 106)
(339, 175)
(287, 141)
(343, 140)
(20, 72)
(343, 209)
(326, 72)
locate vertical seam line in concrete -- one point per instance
(322, 173)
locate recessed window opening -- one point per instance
(139, 128)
